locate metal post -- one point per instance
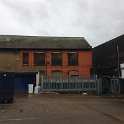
(37, 83)
(37, 78)
(99, 87)
(118, 59)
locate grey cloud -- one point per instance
(97, 20)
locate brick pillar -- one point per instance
(30, 58)
(65, 63)
(48, 63)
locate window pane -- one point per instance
(39, 59)
(25, 58)
(56, 59)
(72, 59)
(57, 74)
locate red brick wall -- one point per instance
(83, 69)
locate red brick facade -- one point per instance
(82, 69)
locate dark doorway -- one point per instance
(22, 80)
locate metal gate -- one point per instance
(111, 86)
(68, 85)
(105, 86)
(115, 86)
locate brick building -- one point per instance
(50, 56)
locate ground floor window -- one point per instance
(57, 74)
(73, 74)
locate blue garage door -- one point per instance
(22, 81)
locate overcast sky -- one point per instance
(96, 20)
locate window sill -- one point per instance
(39, 65)
(72, 65)
(56, 65)
(25, 64)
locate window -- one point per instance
(73, 58)
(57, 74)
(74, 74)
(43, 74)
(56, 59)
(39, 58)
(25, 58)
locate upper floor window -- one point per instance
(39, 58)
(56, 59)
(72, 58)
(25, 58)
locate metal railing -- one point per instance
(68, 85)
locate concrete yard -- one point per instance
(63, 109)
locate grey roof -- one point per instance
(42, 42)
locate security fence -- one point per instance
(110, 86)
(103, 86)
(69, 84)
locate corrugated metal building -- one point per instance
(108, 56)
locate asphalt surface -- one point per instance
(63, 109)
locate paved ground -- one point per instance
(63, 109)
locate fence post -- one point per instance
(36, 89)
(99, 87)
(41, 82)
